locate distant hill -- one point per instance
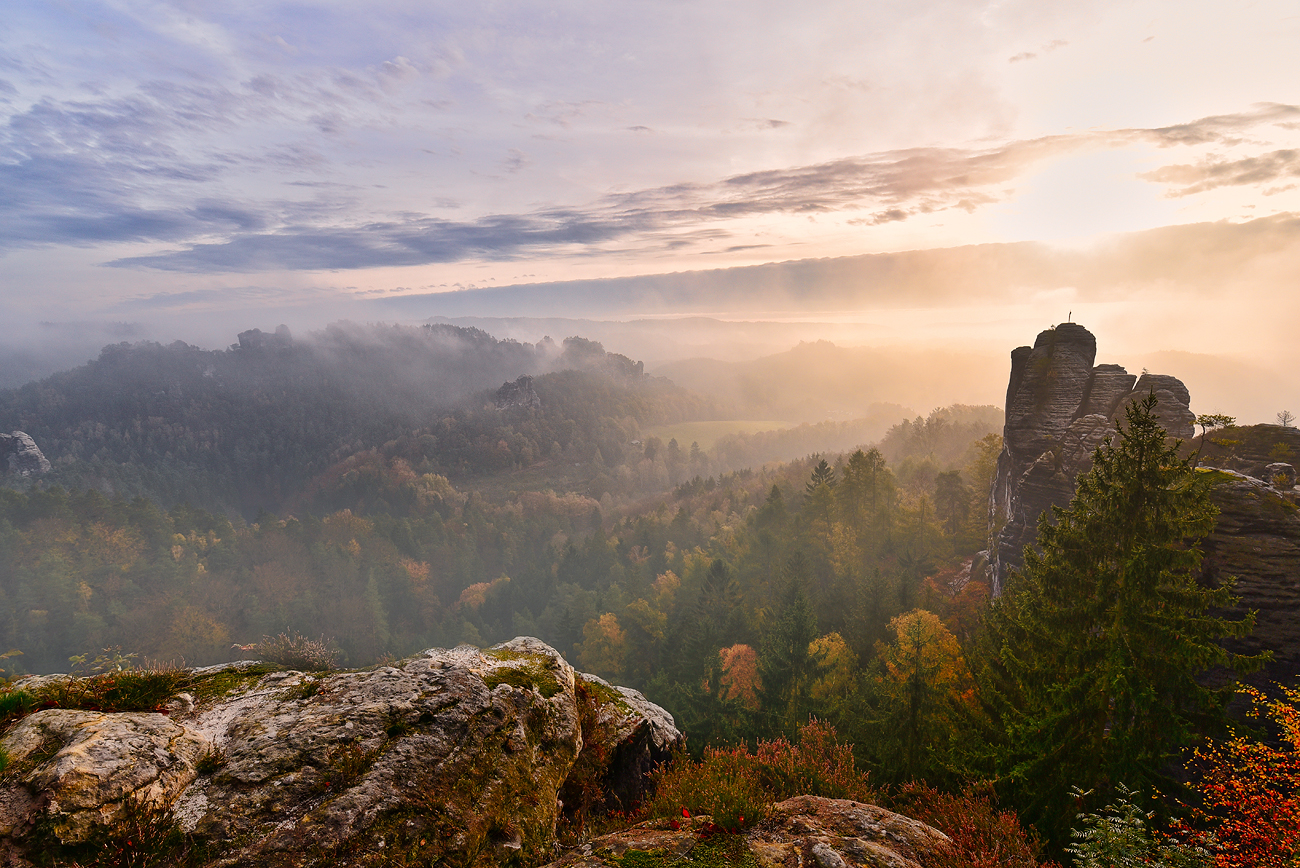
(819, 380)
(244, 429)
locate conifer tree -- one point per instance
(787, 664)
(1093, 657)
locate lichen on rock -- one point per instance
(455, 755)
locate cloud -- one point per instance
(1224, 128)
(125, 168)
(515, 160)
(929, 179)
(1032, 55)
(1215, 172)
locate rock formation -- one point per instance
(805, 830)
(453, 753)
(1256, 539)
(520, 393)
(22, 456)
(1059, 410)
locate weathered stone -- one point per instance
(803, 831)
(22, 456)
(456, 754)
(1047, 444)
(1172, 410)
(1059, 410)
(86, 767)
(1279, 475)
(1110, 384)
(1256, 541)
(634, 736)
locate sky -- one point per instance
(171, 167)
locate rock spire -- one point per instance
(1059, 409)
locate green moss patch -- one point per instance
(529, 671)
(530, 676)
(227, 681)
(716, 851)
(602, 694)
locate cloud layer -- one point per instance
(278, 137)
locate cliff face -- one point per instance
(455, 754)
(1256, 539)
(1059, 409)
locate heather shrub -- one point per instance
(298, 652)
(737, 787)
(982, 836)
(725, 784)
(819, 765)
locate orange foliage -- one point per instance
(603, 649)
(1251, 791)
(739, 678)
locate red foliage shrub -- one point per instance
(1250, 792)
(982, 836)
(737, 787)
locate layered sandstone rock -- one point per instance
(1060, 407)
(1256, 542)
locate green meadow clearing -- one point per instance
(709, 433)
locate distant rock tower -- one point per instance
(21, 455)
(1059, 409)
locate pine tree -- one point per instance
(787, 665)
(1093, 658)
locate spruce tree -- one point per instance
(1095, 657)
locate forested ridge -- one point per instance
(249, 428)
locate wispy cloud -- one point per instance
(890, 187)
(1210, 173)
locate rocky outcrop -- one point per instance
(98, 766)
(805, 830)
(641, 735)
(256, 340)
(1256, 542)
(22, 457)
(518, 394)
(455, 753)
(1060, 407)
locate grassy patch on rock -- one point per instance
(223, 682)
(523, 670)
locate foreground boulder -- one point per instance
(803, 831)
(453, 753)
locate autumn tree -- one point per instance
(1094, 654)
(1249, 790)
(923, 677)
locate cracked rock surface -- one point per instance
(802, 832)
(457, 752)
